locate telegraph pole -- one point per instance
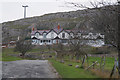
(25, 10)
(119, 37)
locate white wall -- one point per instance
(50, 33)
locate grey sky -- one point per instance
(12, 9)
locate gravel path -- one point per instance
(27, 69)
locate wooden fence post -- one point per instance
(83, 61)
(92, 65)
(114, 68)
(87, 60)
(115, 65)
(102, 64)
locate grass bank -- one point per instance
(8, 52)
(109, 62)
(70, 71)
(6, 55)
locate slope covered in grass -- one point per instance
(70, 71)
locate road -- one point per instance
(28, 69)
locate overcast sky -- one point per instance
(12, 9)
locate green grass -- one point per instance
(36, 50)
(70, 71)
(109, 62)
(6, 55)
(11, 58)
(8, 52)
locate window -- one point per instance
(63, 35)
(41, 41)
(37, 35)
(44, 35)
(52, 35)
(46, 40)
(71, 35)
(64, 41)
(79, 34)
(49, 41)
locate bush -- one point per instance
(23, 46)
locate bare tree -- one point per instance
(76, 47)
(60, 51)
(107, 20)
(23, 46)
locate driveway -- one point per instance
(28, 69)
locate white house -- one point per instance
(59, 35)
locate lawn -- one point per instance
(70, 71)
(8, 52)
(35, 50)
(109, 62)
(6, 55)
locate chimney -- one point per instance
(33, 29)
(58, 27)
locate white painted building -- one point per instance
(59, 35)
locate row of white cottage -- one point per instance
(59, 35)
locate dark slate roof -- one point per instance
(57, 37)
(47, 31)
(34, 38)
(42, 31)
(99, 37)
(75, 31)
(68, 31)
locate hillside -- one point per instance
(68, 20)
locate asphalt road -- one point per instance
(27, 69)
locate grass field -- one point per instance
(6, 55)
(109, 62)
(70, 71)
(7, 52)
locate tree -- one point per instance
(76, 47)
(107, 19)
(23, 46)
(60, 51)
